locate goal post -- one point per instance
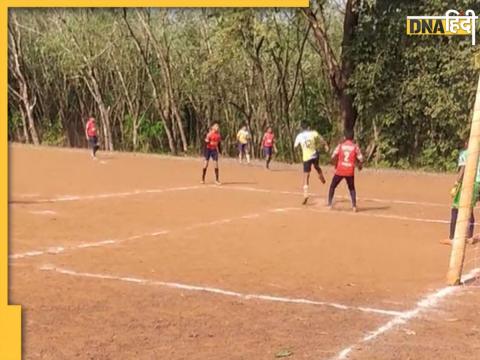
(457, 254)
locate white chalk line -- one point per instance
(382, 216)
(63, 249)
(218, 291)
(65, 198)
(284, 192)
(43, 212)
(428, 302)
(54, 250)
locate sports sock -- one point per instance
(353, 196)
(305, 190)
(204, 173)
(453, 222)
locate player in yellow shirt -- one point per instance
(310, 142)
(243, 138)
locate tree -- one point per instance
(339, 67)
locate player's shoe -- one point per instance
(305, 195)
(322, 178)
(218, 183)
(354, 209)
(446, 242)
(202, 182)
(473, 240)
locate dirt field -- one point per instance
(129, 257)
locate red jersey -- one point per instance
(268, 139)
(91, 128)
(348, 153)
(213, 140)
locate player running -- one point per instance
(212, 149)
(268, 145)
(243, 138)
(456, 192)
(310, 142)
(346, 155)
(91, 135)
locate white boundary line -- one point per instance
(63, 248)
(285, 192)
(217, 291)
(428, 302)
(43, 212)
(382, 216)
(53, 250)
(64, 198)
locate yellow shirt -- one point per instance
(243, 136)
(310, 142)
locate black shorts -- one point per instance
(307, 165)
(211, 154)
(93, 141)
(243, 148)
(268, 151)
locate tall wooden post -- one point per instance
(457, 255)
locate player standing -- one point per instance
(243, 138)
(346, 155)
(212, 149)
(456, 192)
(91, 135)
(310, 142)
(268, 145)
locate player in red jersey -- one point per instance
(268, 145)
(91, 135)
(212, 149)
(345, 156)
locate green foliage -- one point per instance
(53, 133)
(418, 90)
(413, 95)
(150, 133)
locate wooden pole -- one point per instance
(457, 255)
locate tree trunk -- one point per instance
(155, 94)
(15, 64)
(339, 72)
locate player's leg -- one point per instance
(91, 145)
(307, 168)
(95, 146)
(453, 225)
(316, 165)
(471, 226)
(453, 222)
(205, 164)
(268, 155)
(217, 170)
(247, 153)
(333, 185)
(351, 188)
(454, 212)
(453, 217)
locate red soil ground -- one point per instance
(249, 236)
